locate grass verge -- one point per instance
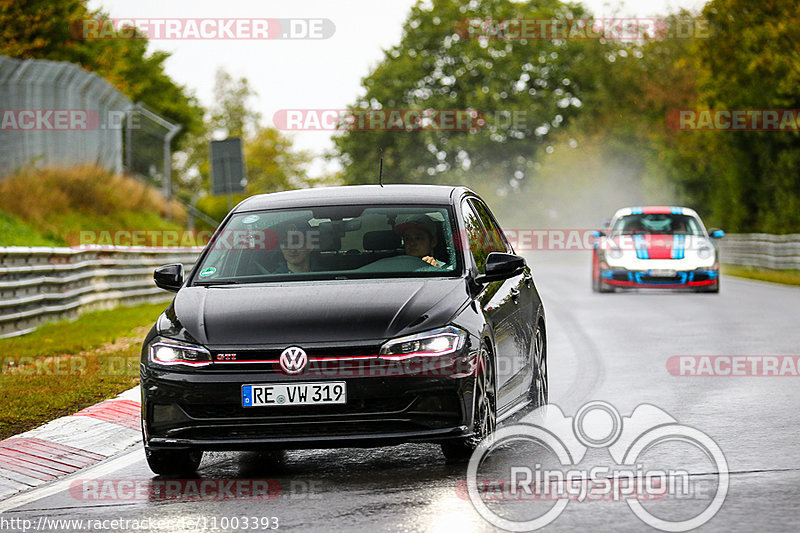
(52, 205)
(63, 367)
(786, 277)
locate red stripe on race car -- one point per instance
(657, 210)
(658, 246)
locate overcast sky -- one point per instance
(316, 74)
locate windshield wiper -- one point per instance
(209, 282)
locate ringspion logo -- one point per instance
(499, 469)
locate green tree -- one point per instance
(42, 29)
(527, 90)
(751, 62)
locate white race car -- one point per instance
(656, 248)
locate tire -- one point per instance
(714, 289)
(597, 284)
(539, 394)
(173, 462)
(484, 412)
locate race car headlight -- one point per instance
(433, 343)
(704, 252)
(167, 352)
(613, 252)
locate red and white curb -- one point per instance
(69, 443)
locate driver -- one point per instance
(419, 237)
(297, 245)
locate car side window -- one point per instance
(494, 234)
(482, 241)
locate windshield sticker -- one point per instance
(207, 271)
(250, 219)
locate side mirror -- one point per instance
(169, 277)
(715, 233)
(501, 266)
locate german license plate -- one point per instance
(294, 394)
(663, 273)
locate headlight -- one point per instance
(614, 252)
(434, 343)
(704, 252)
(167, 352)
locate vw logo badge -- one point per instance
(293, 360)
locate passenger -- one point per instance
(419, 237)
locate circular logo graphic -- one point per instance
(597, 425)
(208, 271)
(293, 360)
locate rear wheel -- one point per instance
(484, 412)
(173, 462)
(538, 394)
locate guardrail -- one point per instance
(40, 284)
(762, 250)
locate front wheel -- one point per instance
(173, 462)
(484, 412)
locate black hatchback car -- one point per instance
(348, 316)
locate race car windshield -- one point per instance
(335, 242)
(657, 224)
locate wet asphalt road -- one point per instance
(611, 347)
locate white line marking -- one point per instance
(63, 484)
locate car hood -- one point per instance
(314, 312)
(669, 246)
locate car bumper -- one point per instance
(204, 411)
(620, 277)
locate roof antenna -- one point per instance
(380, 172)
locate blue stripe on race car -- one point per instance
(636, 211)
(641, 247)
(676, 211)
(678, 246)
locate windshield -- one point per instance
(657, 224)
(336, 242)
